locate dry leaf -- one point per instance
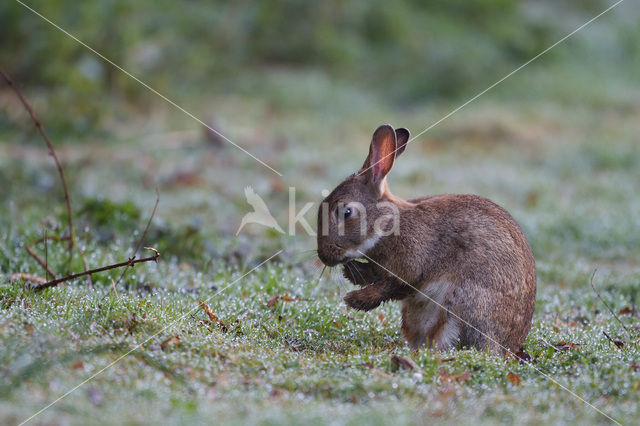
(460, 378)
(523, 357)
(383, 321)
(27, 277)
(619, 343)
(213, 317)
(77, 365)
(271, 303)
(405, 362)
(628, 310)
(514, 379)
(635, 367)
(285, 298)
(564, 346)
(171, 341)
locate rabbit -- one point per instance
(460, 264)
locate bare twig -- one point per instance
(45, 263)
(144, 235)
(86, 268)
(129, 262)
(115, 291)
(41, 262)
(605, 304)
(27, 277)
(55, 157)
(618, 343)
(46, 256)
(50, 238)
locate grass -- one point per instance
(566, 167)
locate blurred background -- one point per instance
(301, 85)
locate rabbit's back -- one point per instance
(479, 248)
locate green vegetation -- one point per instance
(556, 144)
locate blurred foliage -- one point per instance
(408, 52)
(108, 220)
(106, 217)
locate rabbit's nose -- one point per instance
(329, 256)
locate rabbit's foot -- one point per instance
(359, 273)
(372, 295)
(365, 299)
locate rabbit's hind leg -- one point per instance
(422, 322)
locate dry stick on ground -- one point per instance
(46, 256)
(144, 235)
(55, 158)
(41, 262)
(605, 304)
(50, 238)
(45, 263)
(129, 262)
(617, 343)
(27, 277)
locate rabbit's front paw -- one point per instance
(363, 299)
(359, 273)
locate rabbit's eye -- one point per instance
(343, 212)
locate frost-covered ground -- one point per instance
(563, 159)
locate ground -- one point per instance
(563, 158)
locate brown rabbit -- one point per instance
(463, 252)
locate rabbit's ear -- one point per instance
(382, 153)
(402, 137)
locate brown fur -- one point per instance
(463, 251)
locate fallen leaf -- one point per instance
(77, 365)
(453, 358)
(184, 178)
(275, 393)
(514, 379)
(285, 298)
(523, 357)
(628, 310)
(460, 378)
(635, 367)
(383, 321)
(405, 363)
(171, 341)
(271, 303)
(27, 277)
(619, 343)
(277, 184)
(564, 346)
(213, 317)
